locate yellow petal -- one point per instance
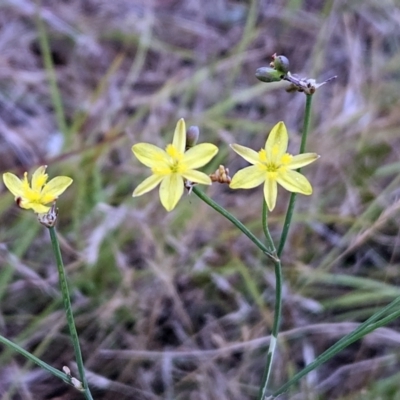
(54, 188)
(179, 140)
(197, 177)
(199, 155)
(295, 182)
(248, 154)
(13, 184)
(150, 155)
(248, 178)
(36, 207)
(277, 142)
(302, 159)
(171, 190)
(39, 178)
(270, 193)
(148, 184)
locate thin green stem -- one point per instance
(306, 123)
(278, 308)
(289, 213)
(271, 252)
(34, 359)
(234, 221)
(267, 233)
(277, 264)
(68, 312)
(366, 327)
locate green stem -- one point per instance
(366, 327)
(234, 221)
(271, 252)
(36, 360)
(277, 263)
(68, 312)
(267, 233)
(289, 213)
(278, 308)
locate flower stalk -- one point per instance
(277, 308)
(68, 311)
(234, 221)
(277, 264)
(290, 210)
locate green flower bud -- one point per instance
(192, 136)
(281, 63)
(268, 74)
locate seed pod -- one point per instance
(267, 74)
(281, 63)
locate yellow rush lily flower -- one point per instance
(39, 193)
(272, 165)
(172, 166)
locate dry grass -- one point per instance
(179, 306)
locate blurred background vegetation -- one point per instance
(179, 305)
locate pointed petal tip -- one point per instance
(13, 184)
(179, 138)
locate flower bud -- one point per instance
(281, 63)
(267, 74)
(192, 135)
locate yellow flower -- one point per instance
(173, 165)
(39, 193)
(272, 165)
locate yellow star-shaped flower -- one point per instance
(272, 165)
(39, 193)
(172, 166)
